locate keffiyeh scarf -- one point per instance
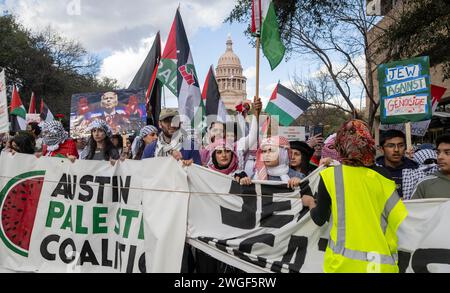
(163, 149)
(54, 135)
(100, 124)
(139, 140)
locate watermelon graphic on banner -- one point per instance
(19, 200)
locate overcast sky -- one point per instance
(122, 32)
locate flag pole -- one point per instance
(164, 95)
(258, 45)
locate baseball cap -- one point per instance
(166, 113)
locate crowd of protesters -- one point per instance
(350, 154)
(419, 173)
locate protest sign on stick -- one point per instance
(405, 95)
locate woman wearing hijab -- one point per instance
(56, 141)
(330, 155)
(272, 163)
(360, 197)
(147, 135)
(100, 146)
(329, 149)
(224, 159)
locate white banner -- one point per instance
(263, 224)
(89, 216)
(272, 233)
(4, 121)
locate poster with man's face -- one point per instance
(123, 110)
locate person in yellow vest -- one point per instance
(364, 206)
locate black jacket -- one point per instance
(396, 173)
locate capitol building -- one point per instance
(232, 84)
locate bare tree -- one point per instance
(67, 55)
(338, 44)
(338, 37)
(327, 107)
(320, 91)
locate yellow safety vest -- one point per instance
(365, 214)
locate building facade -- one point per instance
(229, 74)
(441, 121)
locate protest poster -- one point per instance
(419, 128)
(404, 88)
(123, 110)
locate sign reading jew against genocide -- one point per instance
(123, 110)
(86, 216)
(405, 91)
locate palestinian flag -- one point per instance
(146, 78)
(214, 107)
(18, 112)
(436, 94)
(177, 72)
(46, 114)
(32, 108)
(286, 104)
(265, 24)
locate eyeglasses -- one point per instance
(393, 145)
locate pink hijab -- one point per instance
(329, 149)
(260, 168)
(222, 144)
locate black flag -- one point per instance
(146, 78)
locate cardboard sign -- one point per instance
(293, 133)
(33, 118)
(405, 91)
